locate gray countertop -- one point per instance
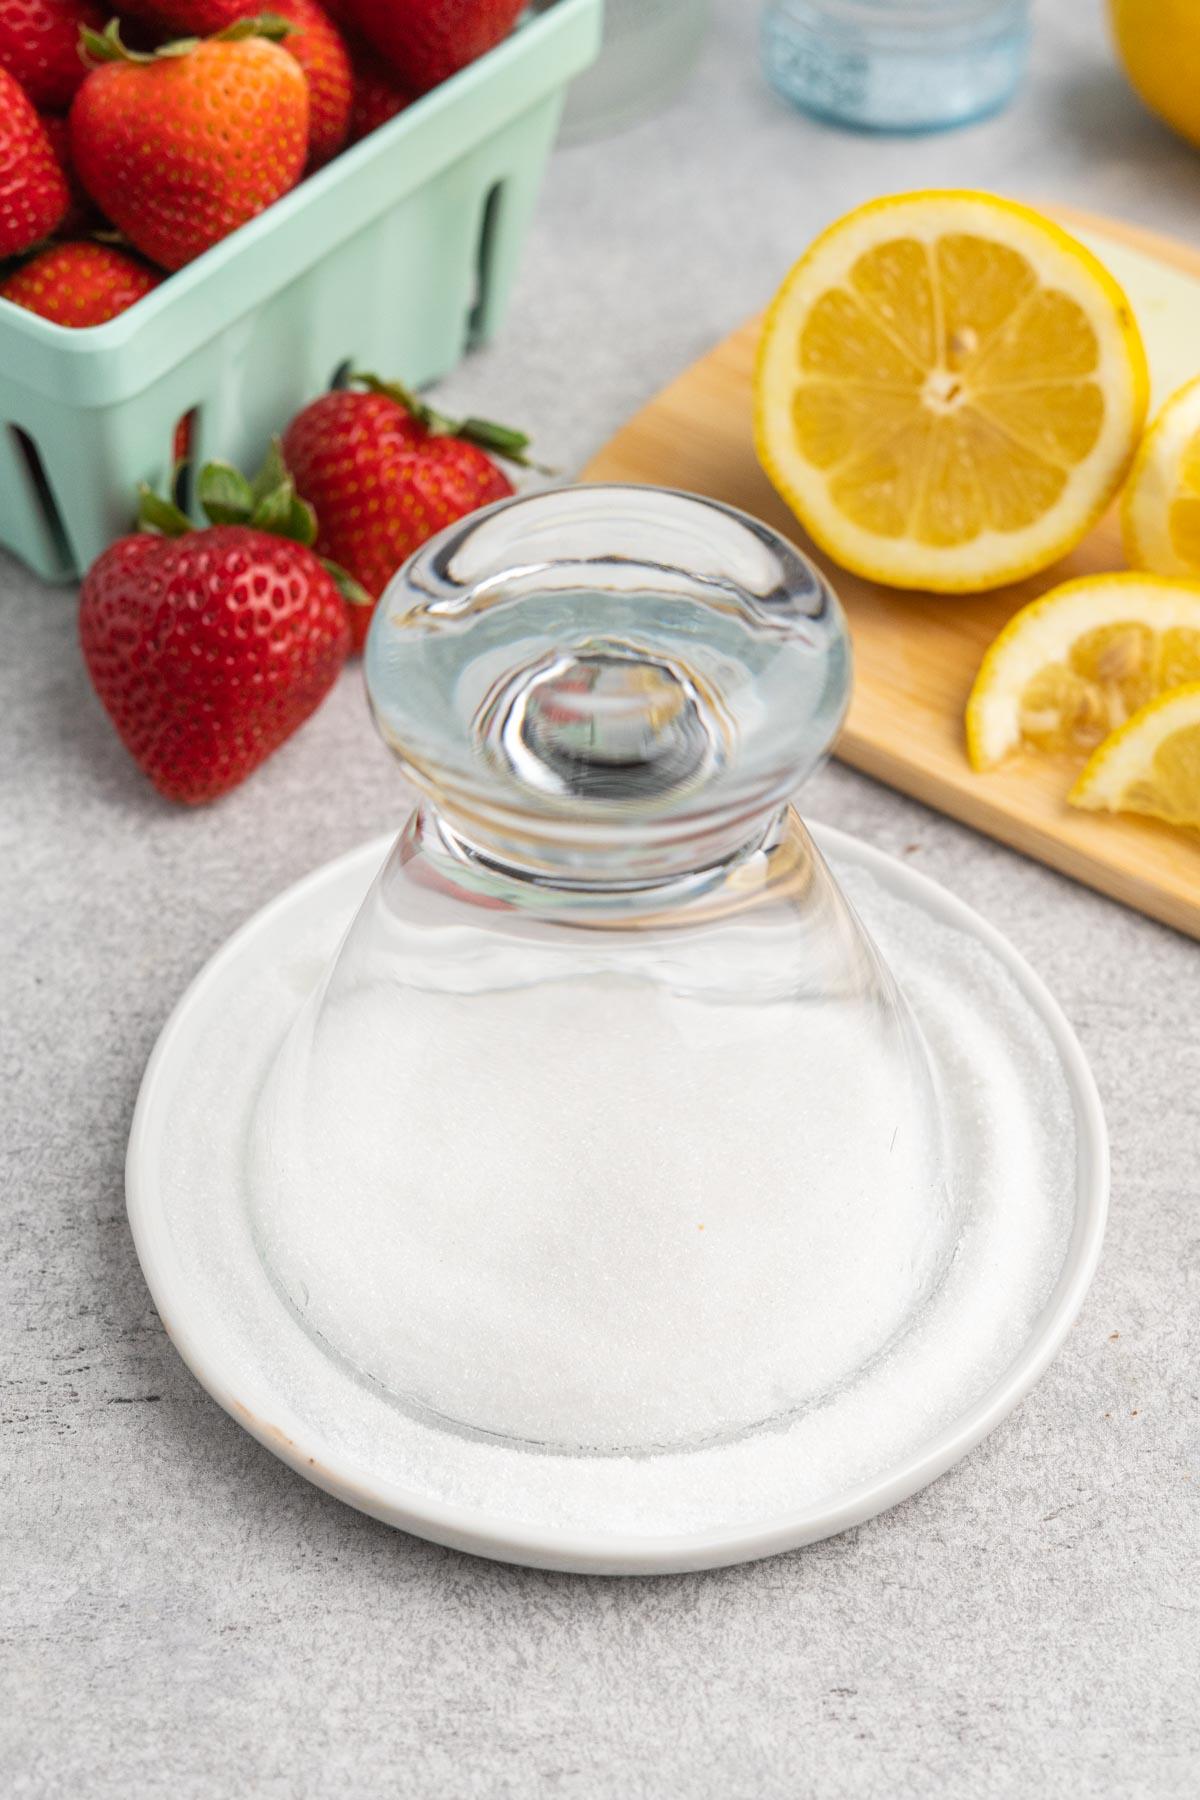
(182, 1615)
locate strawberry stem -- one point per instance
(225, 494)
(268, 503)
(157, 514)
(264, 25)
(96, 47)
(352, 592)
(500, 440)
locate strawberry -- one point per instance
(384, 472)
(427, 41)
(316, 43)
(33, 192)
(180, 146)
(209, 647)
(80, 283)
(184, 18)
(320, 49)
(81, 214)
(39, 45)
(378, 96)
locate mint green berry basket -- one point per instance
(397, 256)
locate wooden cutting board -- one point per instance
(916, 655)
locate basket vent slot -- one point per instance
(485, 256)
(183, 444)
(41, 495)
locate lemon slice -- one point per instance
(1160, 510)
(949, 390)
(1151, 765)
(1071, 667)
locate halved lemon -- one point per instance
(949, 390)
(1151, 765)
(1158, 41)
(1160, 509)
(1072, 666)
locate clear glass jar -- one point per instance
(608, 1130)
(649, 50)
(896, 65)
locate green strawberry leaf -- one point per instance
(268, 503)
(273, 473)
(301, 523)
(225, 495)
(395, 390)
(276, 505)
(284, 514)
(157, 514)
(264, 25)
(177, 47)
(499, 440)
(272, 512)
(352, 592)
(96, 47)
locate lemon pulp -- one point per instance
(1109, 672)
(942, 407)
(1152, 764)
(1075, 664)
(1160, 511)
(1183, 515)
(1171, 788)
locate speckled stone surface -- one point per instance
(181, 1615)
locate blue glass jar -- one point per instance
(896, 65)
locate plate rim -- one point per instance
(569, 1549)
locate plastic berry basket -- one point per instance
(397, 256)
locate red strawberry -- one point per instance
(316, 44)
(81, 215)
(79, 284)
(427, 41)
(208, 648)
(39, 45)
(384, 472)
(378, 97)
(185, 18)
(181, 146)
(33, 193)
(319, 48)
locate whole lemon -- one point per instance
(1159, 43)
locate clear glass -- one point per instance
(650, 48)
(896, 65)
(607, 1130)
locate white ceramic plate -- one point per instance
(252, 1396)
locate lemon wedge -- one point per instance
(1160, 509)
(1072, 666)
(1151, 765)
(949, 390)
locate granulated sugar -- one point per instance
(546, 1213)
(1012, 1156)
